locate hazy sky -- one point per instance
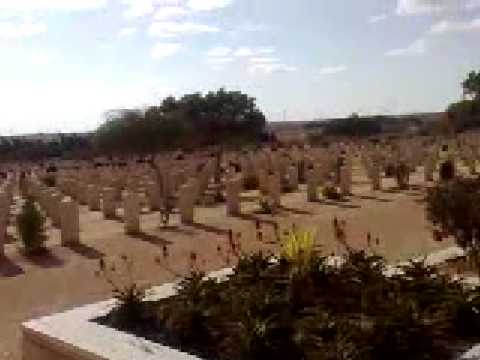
(64, 62)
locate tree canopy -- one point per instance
(465, 114)
(193, 120)
(471, 85)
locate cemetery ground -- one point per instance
(64, 278)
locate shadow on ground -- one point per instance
(152, 239)
(8, 268)
(208, 228)
(86, 251)
(46, 259)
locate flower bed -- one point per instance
(296, 306)
(76, 334)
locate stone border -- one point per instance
(72, 335)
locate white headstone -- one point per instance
(69, 222)
(109, 206)
(233, 187)
(131, 209)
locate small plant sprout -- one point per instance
(129, 294)
(298, 247)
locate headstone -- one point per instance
(93, 197)
(4, 213)
(82, 195)
(153, 194)
(312, 183)
(55, 213)
(69, 222)
(109, 205)
(275, 188)
(233, 187)
(131, 210)
(186, 201)
(376, 176)
(293, 177)
(429, 168)
(345, 181)
(263, 181)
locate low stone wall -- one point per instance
(72, 335)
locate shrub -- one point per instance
(267, 205)
(352, 311)
(31, 227)
(130, 308)
(298, 247)
(166, 209)
(453, 207)
(331, 192)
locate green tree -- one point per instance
(465, 114)
(223, 117)
(471, 85)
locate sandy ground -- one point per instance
(66, 278)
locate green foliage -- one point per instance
(223, 117)
(298, 247)
(453, 206)
(31, 227)
(471, 85)
(71, 146)
(465, 114)
(267, 205)
(130, 308)
(331, 192)
(269, 310)
(353, 126)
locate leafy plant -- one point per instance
(131, 307)
(331, 192)
(453, 207)
(267, 205)
(166, 210)
(31, 227)
(298, 247)
(266, 309)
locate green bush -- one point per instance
(453, 207)
(31, 227)
(267, 309)
(267, 205)
(130, 308)
(331, 193)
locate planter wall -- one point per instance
(72, 335)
